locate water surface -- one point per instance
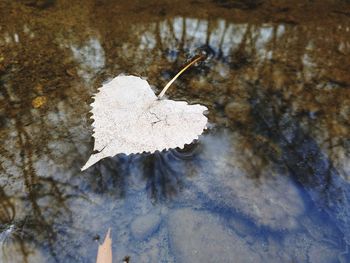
(267, 182)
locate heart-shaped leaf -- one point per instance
(129, 118)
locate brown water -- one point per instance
(268, 181)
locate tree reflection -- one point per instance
(274, 84)
(164, 172)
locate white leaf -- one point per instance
(129, 118)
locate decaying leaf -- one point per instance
(104, 254)
(129, 118)
(39, 101)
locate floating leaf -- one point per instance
(129, 118)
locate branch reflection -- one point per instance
(273, 85)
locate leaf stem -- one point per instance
(198, 58)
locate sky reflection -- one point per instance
(268, 182)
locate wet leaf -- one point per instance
(39, 101)
(129, 118)
(104, 254)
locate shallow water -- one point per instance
(267, 182)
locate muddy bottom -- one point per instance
(268, 181)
